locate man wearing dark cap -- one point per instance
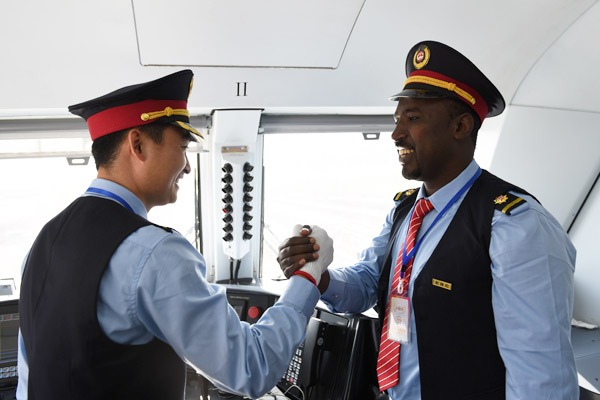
(472, 277)
(112, 306)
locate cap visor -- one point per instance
(195, 133)
(424, 94)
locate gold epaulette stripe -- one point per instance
(402, 195)
(167, 112)
(511, 204)
(442, 84)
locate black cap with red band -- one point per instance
(434, 69)
(162, 100)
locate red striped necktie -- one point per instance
(389, 350)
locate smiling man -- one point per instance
(113, 306)
(472, 277)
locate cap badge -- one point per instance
(421, 57)
(501, 199)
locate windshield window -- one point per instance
(36, 188)
(339, 181)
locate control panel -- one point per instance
(9, 339)
(231, 175)
(250, 303)
(237, 207)
(293, 371)
(336, 361)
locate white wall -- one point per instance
(553, 154)
(586, 236)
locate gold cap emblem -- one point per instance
(421, 57)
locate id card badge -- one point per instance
(399, 319)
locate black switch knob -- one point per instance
(227, 178)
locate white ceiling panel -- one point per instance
(241, 33)
(566, 76)
(68, 51)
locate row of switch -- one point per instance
(8, 372)
(229, 202)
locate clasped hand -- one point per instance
(309, 250)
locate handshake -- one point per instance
(308, 253)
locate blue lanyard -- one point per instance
(112, 196)
(407, 257)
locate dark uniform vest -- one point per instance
(458, 350)
(68, 354)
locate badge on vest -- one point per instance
(442, 284)
(399, 319)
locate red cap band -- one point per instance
(127, 116)
(480, 106)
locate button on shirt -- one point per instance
(532, 268)
(155, 286)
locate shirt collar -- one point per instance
(442, 196)
(125, 194)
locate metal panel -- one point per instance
(40, 127)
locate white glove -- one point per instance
(317, 267)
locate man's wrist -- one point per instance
(324, 283)
(307, 276)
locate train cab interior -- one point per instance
(292, 99)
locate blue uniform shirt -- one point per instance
(155, 286)
(533, 262)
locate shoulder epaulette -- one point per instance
(402, 195)
(508, 202)
(165, 228)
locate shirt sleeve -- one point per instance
(174, 301)
(533, 263)
(354, 289)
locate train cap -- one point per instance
(434, 69)
(161, 100)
